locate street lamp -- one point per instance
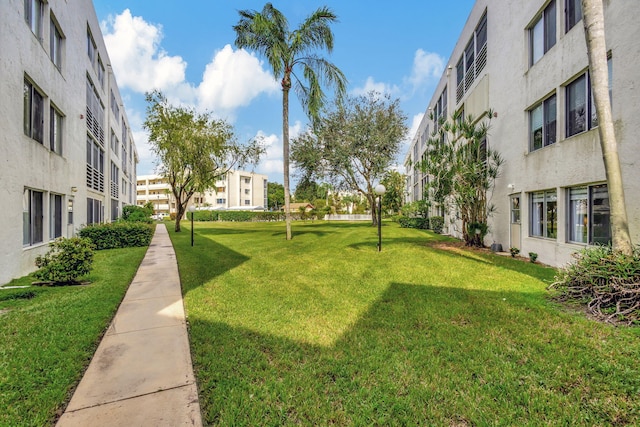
(192, 209)
(379, 190)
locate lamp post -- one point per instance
(192, 209)
(379, 190)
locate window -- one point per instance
(440, 110)
(220, 189)
(515, 210)
(95, 165)
(247, 191)
(114, 143)
(95, 112)
(114, 209)
(70, 211)
(589, 215)
(115, 181)
(543, 124)
(55, 45)
(114, 105)
(543, 214)
(473, 59)
(573, 13)
(33, 13)
(100, 72)
(221, 201)
(94, 211)
(247, 180)
(247, 202)
(55, 216)
(543, 33)
(33, 112)
(580, 109)
(91, 47)
(32, 217)
(55, 130)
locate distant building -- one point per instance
(67, 156)
(235, 190)
(527, 61)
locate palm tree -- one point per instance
(268, 33)
(593, 16)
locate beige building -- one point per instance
(527, 61)
(67, 157)
(235, 190)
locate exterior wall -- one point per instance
(28, 165)
(231, 192)
(511, 87)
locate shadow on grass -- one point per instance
(420, 355)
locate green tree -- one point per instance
(393, 198)
(462, 170)
(353, 144)
(193, 149)
(275, 195)
(286, 51)
(593, 18)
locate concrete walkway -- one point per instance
(141, 374)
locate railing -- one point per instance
(473, 72)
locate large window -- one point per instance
(580, 108)
(95, 165)
(55, 44)
(543, 124)
(55, 216)
(573, 13)
(542, 34)
(473, 59)
(94, 211)
(589, 215)
(55, 130)
(33, 112)
(32, 217)
(33, 13)
(544, 219)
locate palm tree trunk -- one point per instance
(593, 16)
(285, 157)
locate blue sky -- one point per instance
(188, 53)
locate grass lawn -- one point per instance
(324, 330)
(49, 334)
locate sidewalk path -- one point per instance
(141, 373)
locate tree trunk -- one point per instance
(593, 17)
(285, 154)
(374, 209)
(179, 214)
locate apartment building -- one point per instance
(527, 62)
(235, 190)
(67, 157)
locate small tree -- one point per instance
(393, 198)
(66, 261)
(193, 149)
(463, 169)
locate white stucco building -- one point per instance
(67, 157)
(235, 190)
(527, 61)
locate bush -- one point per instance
(606, 281)
(422, 223)
(118, 235)
(514, 251)
(533, 256)
(67, 260)
(133, 213)
(437, 224)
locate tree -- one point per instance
(193, 149)
(393, 198)
(353, 144)
(275, 195)
(268, 33)
(462, 171)
(593, 18)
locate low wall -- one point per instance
(348, 217)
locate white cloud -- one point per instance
(272, 164)
(232, 79)
(415, 124)
(138, 61)
(427, 68)
(372, 86)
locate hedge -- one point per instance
(118, 234)
(417, 222)
(240, 216)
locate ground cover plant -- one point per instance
(48, 336)
(324, 330)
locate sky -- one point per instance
(189, 54)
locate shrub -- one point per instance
(118, 234)
(533, 256)
(67, 260)
(437, 224)
(422, 223)
(606, 281)
(514, 251)
(135, 213)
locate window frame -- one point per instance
(540, 228)
(56, 201)
(32, 217)
(587, 194)
(548, 129)
(547, 23)
(572, 13)
(56, 43)
(56, 129)
(33, 111)
(33, 16)
(591, 118)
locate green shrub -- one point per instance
(118, 234)
(135, 213)
(604, 280)
(67, 260)
(533, 256)
(417, 222)
(514, 251)
(437, 224)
